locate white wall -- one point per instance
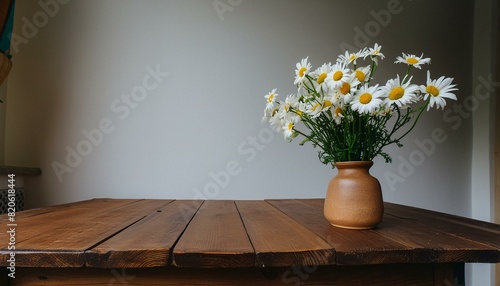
(75, 61)
(72, 70)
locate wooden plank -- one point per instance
(352, 247)
(428, 215)
(215, 237)
(432, 245)
(82, 223)
(374, 275)
(147, 243)
(318, 203)
(487, 234)
(21, 215)
(278, 240)
(31, 222)
(429, 238)
(434, 236)
(58, 239)
(276, 233)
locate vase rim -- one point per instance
(353, 164)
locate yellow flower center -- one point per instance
(396, 93)
(299, 113)
(365, 98)
(270, 98)
(360, 75)
(290, 126)
(321, 78)
(434, 91)
(337, 75)
(411, 61)
(352, 57)
(327, 103)
(338, 111)
(345, 88)
(302, 71)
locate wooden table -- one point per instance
(271, 242)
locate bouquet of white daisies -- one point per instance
(338, 109)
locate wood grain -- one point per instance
(352, 247)
(273, 242)
(59, 238)
(432, 244)
(281, 241)
(480, 240)
(215, 237)
(374, 275)
(47, 220)
(146, 243)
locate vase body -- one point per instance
(354, 197)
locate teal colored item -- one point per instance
(7, 32)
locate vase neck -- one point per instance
(354, 165)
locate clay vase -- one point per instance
(354, 197)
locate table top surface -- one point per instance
(141, 233)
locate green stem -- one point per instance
(415, 121)
(406, 78)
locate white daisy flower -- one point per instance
(269, 113)
(271, 99)
(362, 73)
(413, 60)
(300, 109)
(314, 108)
(276, 121)
(348, 58)
(302, 70)
(337, 114)
(338, 74)
(292, 100)
(337, 98)
(374, 52)
(327, 103)
(367, 99)
(384, 110)
(320, 75)
(348, 87)
(285, 107)
(288, 131)
(400, 94)
(438, 90)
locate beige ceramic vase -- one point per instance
(354, 197)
